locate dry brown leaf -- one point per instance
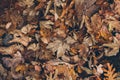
(13, 62)
(39, 6)
(45, 35)
(2, 31)
(46, 24)
(33, 47)
(27, 3)
(26, 29)
(105, 33)
(96, 22)
(60, 32)
(67, 71)
(11, 49)
(117, 7)
(58, 3)
(87, 70)
(117, 35)
(20, 68)
(8, 25)
(99, 70)
(114, 49)
(65, 10)
(59, 47)
(37, 68)
(110, 72)
(19, 37)
(89, 29)
(114, 24)
(2, 71)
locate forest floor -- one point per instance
(59, 39)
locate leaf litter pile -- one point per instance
(59, 39)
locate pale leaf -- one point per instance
(26, 29)
(59, 47)
(33, 47)
(46, 24)
(114, 51)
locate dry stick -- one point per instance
(55, 9)
(48, 7)
(83, 21)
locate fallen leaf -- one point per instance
(46, 24)
(20, 68)
(33, 47)
(59, 47)
(117, 6)
(27, 3)
(11, 49)
(37, 68)
(19, 37)
(26, 29)
(114, 49)
(110, 72)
